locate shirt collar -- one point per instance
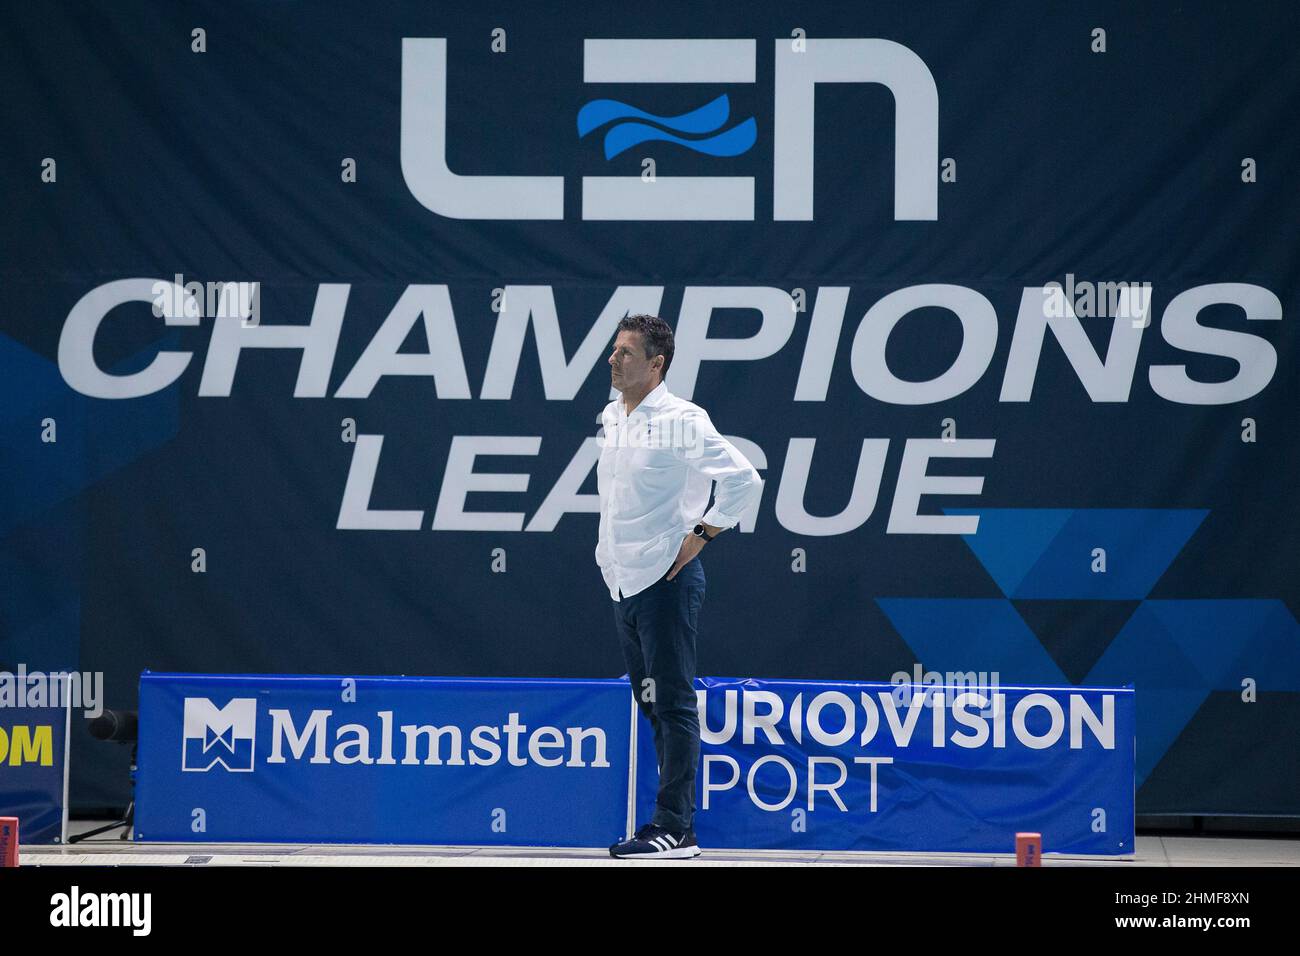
(656, 395)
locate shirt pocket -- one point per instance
(642, 460)
(656, 475)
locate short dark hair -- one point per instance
(656, 335)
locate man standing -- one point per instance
(659, 458)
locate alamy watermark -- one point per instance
(23, 688)
(642, 431)
(920, 685)
(210, 300)
(1086, 299)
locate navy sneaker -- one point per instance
(653, 842)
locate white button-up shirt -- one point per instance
(657, 467)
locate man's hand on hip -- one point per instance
(692, 546)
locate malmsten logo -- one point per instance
(225, 736)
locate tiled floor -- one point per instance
(1151, 851)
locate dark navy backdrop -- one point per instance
(226, 165)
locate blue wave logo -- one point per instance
(633, 127)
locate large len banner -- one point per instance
(306, 310)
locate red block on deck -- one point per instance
(8, 841)
(1029, 849)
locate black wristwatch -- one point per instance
(700, 532)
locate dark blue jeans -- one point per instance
(656, 628)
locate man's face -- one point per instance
(629, 368)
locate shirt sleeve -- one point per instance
(738, 485)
